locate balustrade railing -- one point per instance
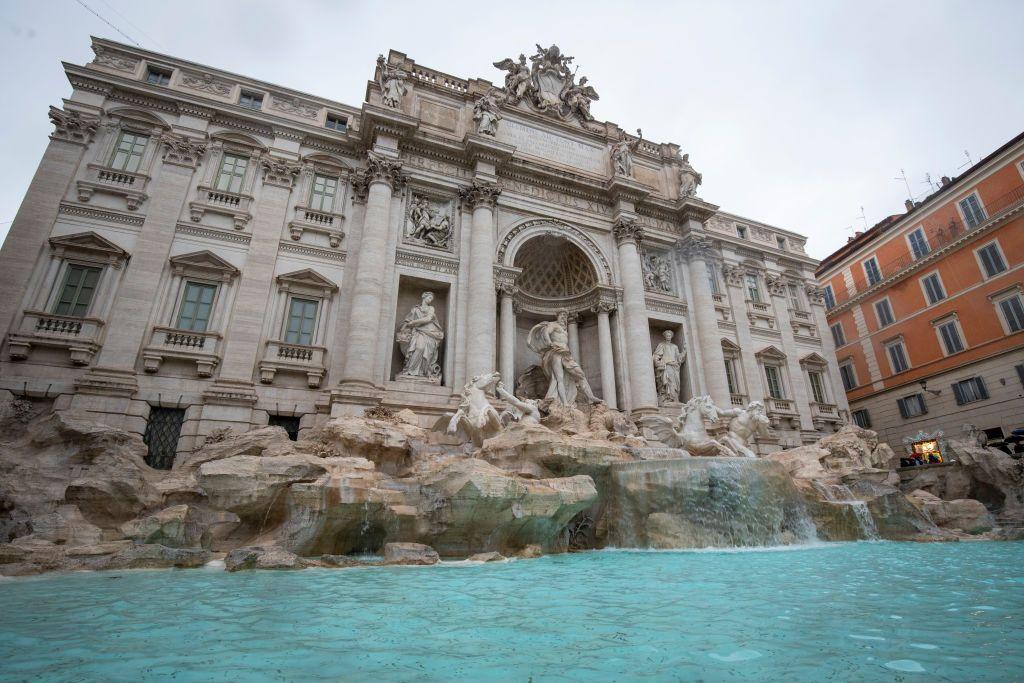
(780, 405)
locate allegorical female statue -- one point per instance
(667, 361)
(565, 376)
(419, 337)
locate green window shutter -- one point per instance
(196, 306)
(301, 322)
(77, 292)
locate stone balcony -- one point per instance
(738, 399)
(165, 343)
(780, 409)
(130, 186)
(322, 222)
(232, 204)
(280, 356)
(79, 336)
(761, 315)
(825, 412)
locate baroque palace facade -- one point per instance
(200, 250)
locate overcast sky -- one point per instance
(797, 113)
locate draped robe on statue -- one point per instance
(551, 342)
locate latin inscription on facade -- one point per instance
(553, 147)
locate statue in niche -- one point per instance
(517, 80)
(668, 361)
(522, 410)
(579, 96)
(689, 179)
(622, 155)
(431, 227)
(392, 83)
(745, 426)
(688, 431)
(419, 338)
(486, 115)
(550, 341)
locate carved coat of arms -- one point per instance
(547, 84)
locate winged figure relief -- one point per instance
(517, 78)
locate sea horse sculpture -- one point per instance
(476, 415)
(688, 431)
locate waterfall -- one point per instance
(705, 502)
(841, 494)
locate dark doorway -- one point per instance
(289, 423)
(161, 437)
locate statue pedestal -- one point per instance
(418, 379)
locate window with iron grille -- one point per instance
(991, 259)
(973, 213)
(862, 419)
(918, 243)
(289, 423)
(161, 437)
(933, 288)
(196, 305)
(77, 291)
(911, 406)
(128, 151)
(872, 271)
(969, 391)
(848, 376)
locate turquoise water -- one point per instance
(841, 612)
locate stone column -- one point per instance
(128, 326)
(637, 328)
(480, 314)
(574, 335)
(799, 389)
(604, 344)
(697, 251)
(35, 218)
(507, 353)
(379, 180)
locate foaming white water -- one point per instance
(214, 564)
(813, 545)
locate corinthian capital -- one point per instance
(182, 150)
(480, 193)
(280, 172)
(776, 287)
(627, 230)
(72, 126)
(381, 169)
(815, 294)
(696, 247)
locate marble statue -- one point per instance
(517, 80)
(579, 96)
(475, 415)
(622, 156)
(688, 431)
(522, 410)
(486, 115)
(657, 274)
(431, 227)
(668, 359)
(419, 338)
(689, 179)
(550, 341)
(745, 426)
(392, 83)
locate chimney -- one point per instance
(945, 180)
(909, 204)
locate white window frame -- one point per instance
(892, 313)
(759, 298)
(924, 289)
(997, 299)
(780, 375)
(864, 267)
(981, 264)
(826, 394)
(921, 403)
(842, 333)
(963, 216)
(910, 244)
(795, 297)
(898, 342)
(179, 302)
(853, 374)
(949, 320)
(978, 382)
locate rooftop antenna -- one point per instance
(863, 218)
(970, 161)
(903, 176)
(929, 182)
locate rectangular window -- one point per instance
(969, 391)
(883, 309)
(862, 419)
(911, 406)
(77, 290)
(871, 271)
(730, 376)
(335, 122)
(158, 76)
(933, 288)
(232, 173)
(301, 322)
(196, 305)
(1020, 373)
(161, 436)
(897, 357)
(324, 190)
(128, 151)
(991, 259)
(830, 297)
(918, 243)
(713, 278)
(848, 376)
(771, 374)
(794, 298)
(973, 213)
(741, 232)
(817, 386)
(1013, 313)
(250, 100)
(950, 335)
(781, 241)
(753, 291)
(837, 335)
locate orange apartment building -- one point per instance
(927, 310)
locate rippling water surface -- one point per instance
(866, 611)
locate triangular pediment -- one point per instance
(770, 353)
(813, 359)
(204, 260)
(729, 345)
(308, 277)
(87, 241)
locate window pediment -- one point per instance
(813, 360)
(771, 354)
(203, 264)
(238, 142)
(89, 246)
(307, 281)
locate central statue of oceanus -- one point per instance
(550, 341)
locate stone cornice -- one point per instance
(378, 120)
(622, 188)
(484, 148)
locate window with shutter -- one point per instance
(933, 288)
(77, 291)
(991, 260)
(196, 306)
(970, 390)
(951, 341)
(848, 377)
(838, 338)
(830, 297)
(872, 271)
(973, 213)
(301, 322)
(883, 309)
(861, 418)
(918, 243)
(1013, 313)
